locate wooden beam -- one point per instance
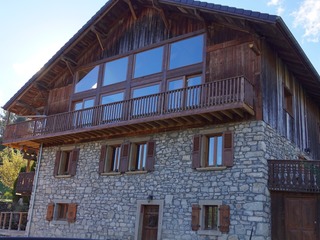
(94, 30)
(131, 9)
(229, 115)
(217, 115)
(237, 111)
(68, 61)
(156, 5)
(24, 104)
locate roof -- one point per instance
(271, 27)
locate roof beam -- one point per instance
(67, 62)
(156, 5)
(24, 104)
(98, 35)
(131, 9)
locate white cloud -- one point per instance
(274, 2)
(278, 4)
(308, 17)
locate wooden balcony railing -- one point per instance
(25, 183)
(237, 90)
(294, 176)
(13, 221)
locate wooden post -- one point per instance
(10, 221)
(20, 220)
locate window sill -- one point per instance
(63, 176)
(204, 169)
(209, 232)
(136, 172)
(60, 222)
(110, 173)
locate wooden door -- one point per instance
(150, 222)
(301, 218)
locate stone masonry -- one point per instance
(107, 205)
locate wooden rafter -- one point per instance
(98, 35)
(25, 105)
(156, 5)
(131, 9)
(68, 62)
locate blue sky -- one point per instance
(33, 31)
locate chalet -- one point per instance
(173, 119)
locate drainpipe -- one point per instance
(35, 184)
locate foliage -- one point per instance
(12, 164)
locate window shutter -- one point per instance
(195, 224)
(124, 157)
(50, 209)
(227, 156)
(74, 160)
(102, 160)
(72, 212)
(196, 151)
(151, 150)
(56, 163)
(224, 218)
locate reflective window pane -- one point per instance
(113, 110)
(186, 52)
(193, 92)
(148, 62)
(175, 96)
(144, 91)
(115, 71)
(146, 105)
(117, 97)
(87, 79)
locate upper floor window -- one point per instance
(212, 150)
(148, 62)
(87, 79)
(115, 71)
(186, 52)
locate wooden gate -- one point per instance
(295, 216)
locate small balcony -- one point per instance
(25, 183)
(214, 102)
(294, 176)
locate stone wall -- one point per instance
(107, 205)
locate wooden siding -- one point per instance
(299, 126)
(58, 101)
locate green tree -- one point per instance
(12, 163)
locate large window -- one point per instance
(87, 79)
(115, 71)
(148, 62)
(85, 117)
(186, 52)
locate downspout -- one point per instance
(35, 184)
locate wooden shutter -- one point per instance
(227, 155)
(50, 210)
(56, 163)
(224, 218)
(196, 151)
(151, 150)
(72, 212)
(102, 160)
(124, 157)
(74, 160)
(195, 223)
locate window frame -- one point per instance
(202, 230)
(74, 154)
(135, 159)
(200, 151)
(130, 82)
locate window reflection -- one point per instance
(145, 103)
(115, 71)
(186, 52)
(113, 109)
(175, 97)
(193, 92)
(87, 79)
(84, 117)
(148, 62)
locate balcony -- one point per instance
(213, 102)
(24, 183)
(294, 176)
(13, 221)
